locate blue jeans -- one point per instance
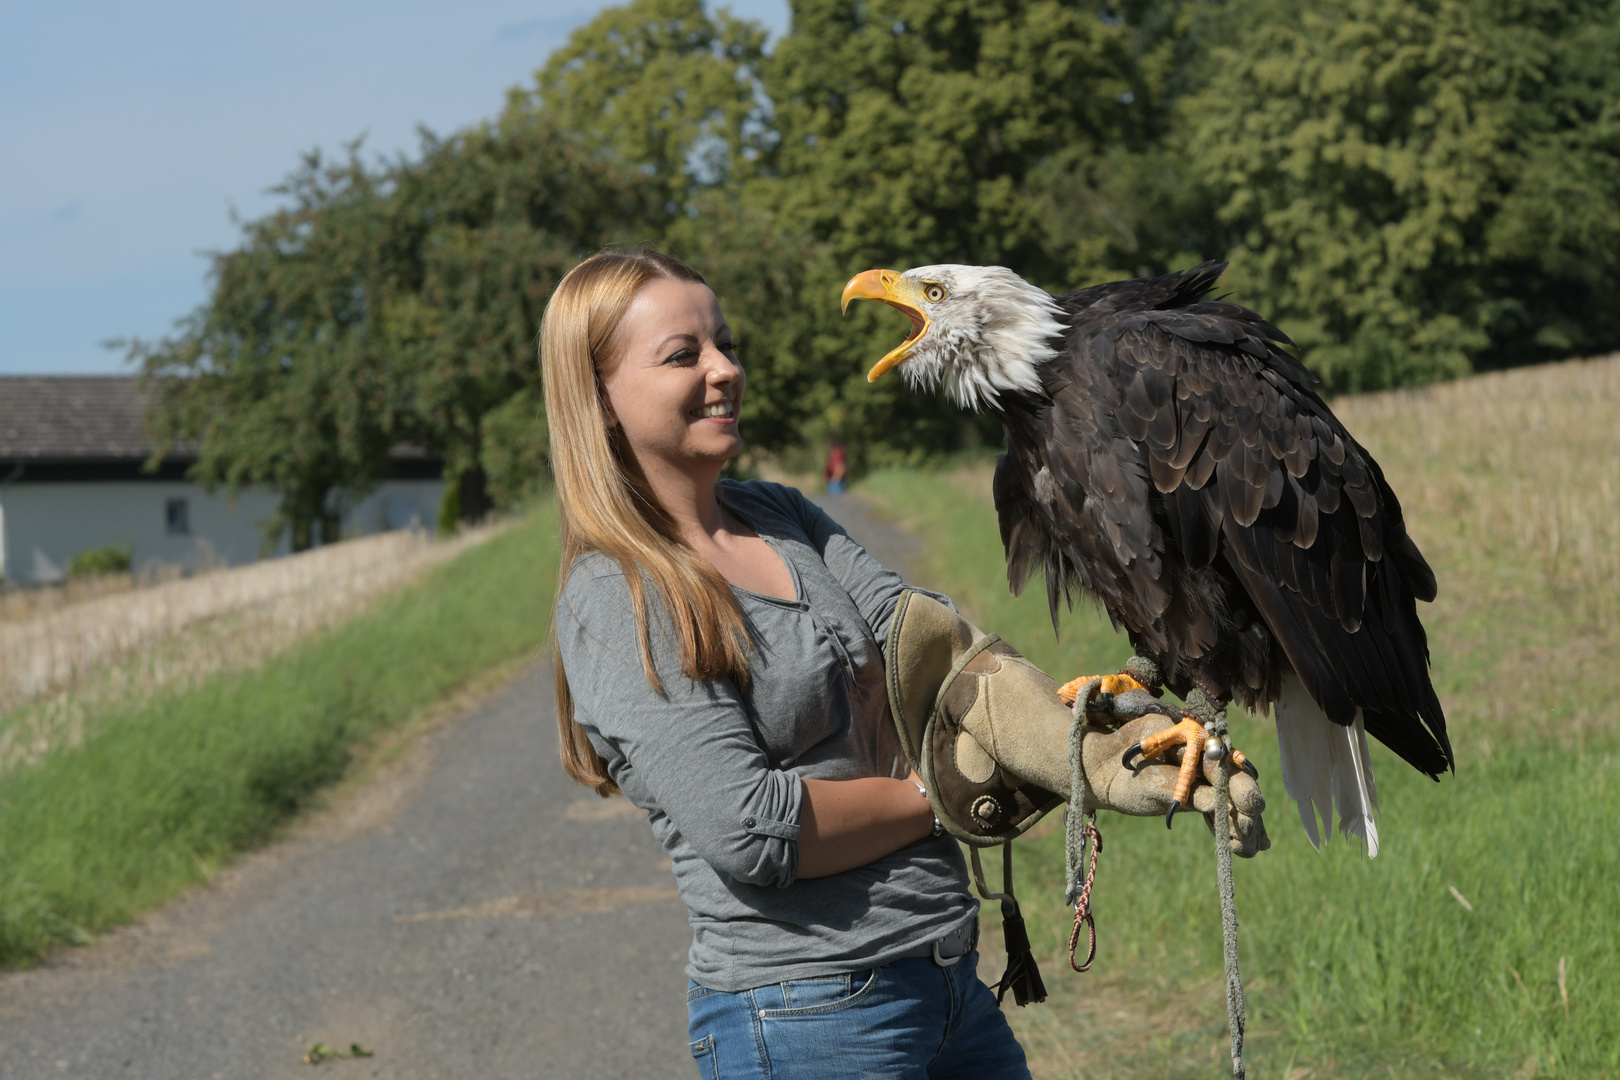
(908, 1021)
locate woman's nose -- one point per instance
(722, 368)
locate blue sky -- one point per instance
(131, 131)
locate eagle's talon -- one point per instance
(1131, 751)
(1103, 689)
(1182, 747)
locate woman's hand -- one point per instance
(1149, 791)
(849, 823)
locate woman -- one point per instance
(719, 663)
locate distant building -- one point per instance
(72, 451)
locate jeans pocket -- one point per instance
(818, 997)
(708, 1066)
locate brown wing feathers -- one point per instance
(1204, 492)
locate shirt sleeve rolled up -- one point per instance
(688, 750)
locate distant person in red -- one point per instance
(834, 472)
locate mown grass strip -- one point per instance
(158, 796)
(1354, 966)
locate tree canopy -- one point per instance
(1414, 187)
(1410, 189)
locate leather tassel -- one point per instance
(1022, 977)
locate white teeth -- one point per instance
(716, 411)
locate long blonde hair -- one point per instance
(605, 504)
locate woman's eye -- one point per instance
(684, 356)
(934, 293)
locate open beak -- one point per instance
(900, 293)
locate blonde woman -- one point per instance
(719, 663)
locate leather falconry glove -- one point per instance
(988, 734)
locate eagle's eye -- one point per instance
(934, 293)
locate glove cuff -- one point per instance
(951, 687)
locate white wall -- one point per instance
(395, 504)
(42, 526)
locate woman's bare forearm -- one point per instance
(849, 823)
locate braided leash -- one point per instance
(1078, 831)
(1082, 905)
(1229, 924)
(1213, 718)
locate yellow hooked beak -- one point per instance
(900, 293)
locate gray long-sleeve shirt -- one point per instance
(718, 769)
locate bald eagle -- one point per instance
(1166, 455)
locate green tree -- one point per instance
(379, 307)
(664, 87)
(491, 220)
(909, 128)
(274, 379)
(1021, 132)
(1411, 186)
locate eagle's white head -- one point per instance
(977, 329)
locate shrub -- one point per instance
(112, 559)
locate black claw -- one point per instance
(1130, 752)
(1175, 804)
(1250, 768)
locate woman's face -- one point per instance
(677, 387)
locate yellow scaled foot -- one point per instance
(1106, 684)
(1191, 736)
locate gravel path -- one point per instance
(467, 913)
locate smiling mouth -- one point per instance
(720, 410)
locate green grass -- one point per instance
(158, 796)
(1353, 967)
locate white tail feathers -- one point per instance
(1325, 765)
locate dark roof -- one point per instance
(72, 418)
(95, 421)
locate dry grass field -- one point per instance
(1519, 467)
(1511, 485)
(118, 640)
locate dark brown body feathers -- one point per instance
(1180, 467)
